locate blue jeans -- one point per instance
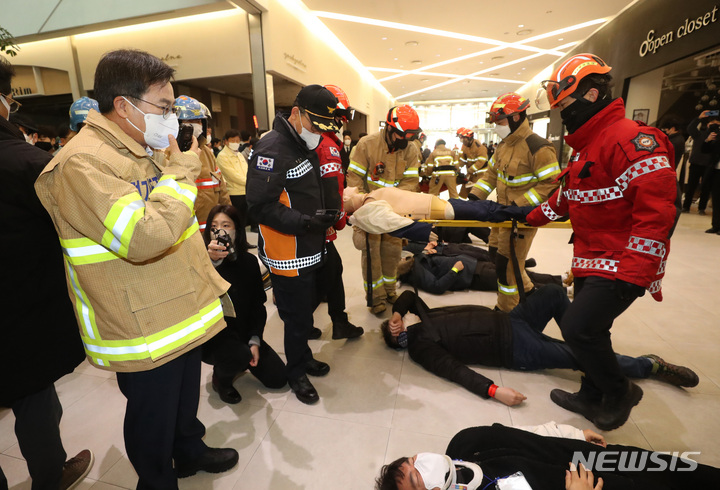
(533, 350)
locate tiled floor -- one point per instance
(377, 405)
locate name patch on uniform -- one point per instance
(645, 142)
(265, 163)
(334, 152)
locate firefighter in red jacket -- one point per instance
(620, 192)
(330, 282)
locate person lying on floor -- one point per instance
(436, 273)
(394, 211)
(444, 340)
(478, 455)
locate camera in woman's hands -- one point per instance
(224, 240)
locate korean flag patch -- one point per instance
(334, 152)
(265, 163)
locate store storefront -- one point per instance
(665, 57)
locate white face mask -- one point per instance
(433, 468)
(197, 129)
(157, 128)
(311, 140)
(29, 138)
(7, 106)
(234, 146)
(502, 131)
(348, 141)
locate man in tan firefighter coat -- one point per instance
(522, 170)
(473, 156)
(385, 159)
(144, 290)
(441, 167)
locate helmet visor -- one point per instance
(555, 89)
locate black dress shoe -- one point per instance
(215, 460)
(317, 368)
(346, 330)
(712, 230)
(616, 410)
(227, 391)
(304, 390)
(315, 333)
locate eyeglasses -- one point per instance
(166, 111)
(14, 104)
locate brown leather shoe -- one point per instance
(76, 469)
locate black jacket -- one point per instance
(247, 294)
(459, 335)
(284, 190)
(434, 274)
(697, 156)
(502, 451)
(40, 341)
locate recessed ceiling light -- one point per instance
(384, 39)
(521, 25)
(395, 59)
(496, 58)
(481, 62)
(411, 43)
(416, 62)
(524, 32)
(390, 49)
(459, 49)
(561, 38)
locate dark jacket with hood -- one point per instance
(40, 341)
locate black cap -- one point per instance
(25, 122)
(320, 105)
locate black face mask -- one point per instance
(400, 144)
(44, 145)
(581, 111)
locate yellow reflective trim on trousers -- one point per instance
(357, 169)
(183, 192)
(507, 290)
(194, 226)
(375, 285)
(482, 185)
(533, 197)
(548, 171)
(82, 251)
(157, 344)
(389, 280)
(85, 312)
(120, 222)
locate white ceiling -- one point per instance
(444, 43)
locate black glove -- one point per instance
(319, 223)
(627, 291)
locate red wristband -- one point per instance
(492, 390)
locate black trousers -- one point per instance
(586, 327)
(230, 354)
(716, 199)
(295, 298)
(161, 423)
(37, 427)
(330, 284)
(696, 174)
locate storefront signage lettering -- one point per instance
(21, 91)
(295, 62)
(653, 42)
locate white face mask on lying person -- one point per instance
(439, 471)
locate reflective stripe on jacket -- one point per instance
(138, 273)
(523, 169)
(398, 169)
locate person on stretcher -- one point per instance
(395, 211)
